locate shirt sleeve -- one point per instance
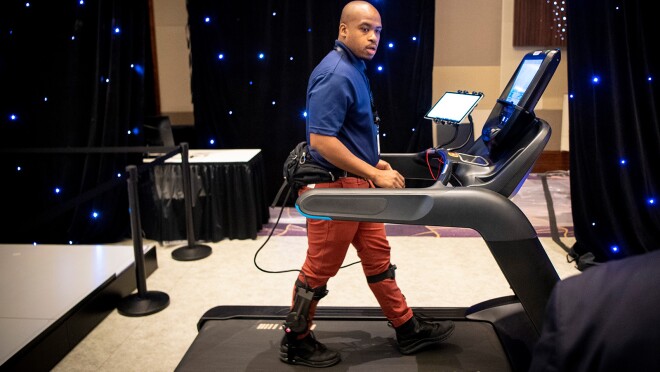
(329, 99)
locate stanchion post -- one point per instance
(143, 302)
(192, 251)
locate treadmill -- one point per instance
(471, 191)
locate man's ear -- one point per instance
(343, 30)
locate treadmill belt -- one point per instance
(253, 345)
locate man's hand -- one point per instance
(387, 177)
(383, 165)
(382, 175)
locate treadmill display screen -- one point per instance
(526, 73)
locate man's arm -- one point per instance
(382, 175)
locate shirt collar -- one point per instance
(355, 61)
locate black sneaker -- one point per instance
(308, 352)
(416, 334)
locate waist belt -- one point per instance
(338, 173)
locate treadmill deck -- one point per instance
(251, 344)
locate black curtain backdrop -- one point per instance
(243, 101)
(614, 127)
(74, 74)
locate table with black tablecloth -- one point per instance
(229, 197)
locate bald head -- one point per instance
(359, 28)
(353, 9)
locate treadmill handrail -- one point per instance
(492, 215)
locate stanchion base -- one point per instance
(191, 252)
(141, 305)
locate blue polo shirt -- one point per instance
(339, 105)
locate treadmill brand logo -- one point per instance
(269, 326)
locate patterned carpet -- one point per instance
(531, 199)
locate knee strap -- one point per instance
(387, 274)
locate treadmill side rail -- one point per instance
(495, 217)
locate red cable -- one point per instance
(428, 164)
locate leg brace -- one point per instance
(297, 321)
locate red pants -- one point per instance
(328, 243)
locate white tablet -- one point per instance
(453, 107)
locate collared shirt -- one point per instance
(339, 105)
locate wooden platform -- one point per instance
(52, 296)
(551, 161)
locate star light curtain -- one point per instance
(614, 127)
(76, 74)
(251, 61)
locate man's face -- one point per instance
(361, 34)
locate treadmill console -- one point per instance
(514, 109)
(511, 142)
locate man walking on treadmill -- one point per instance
(343, 137)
